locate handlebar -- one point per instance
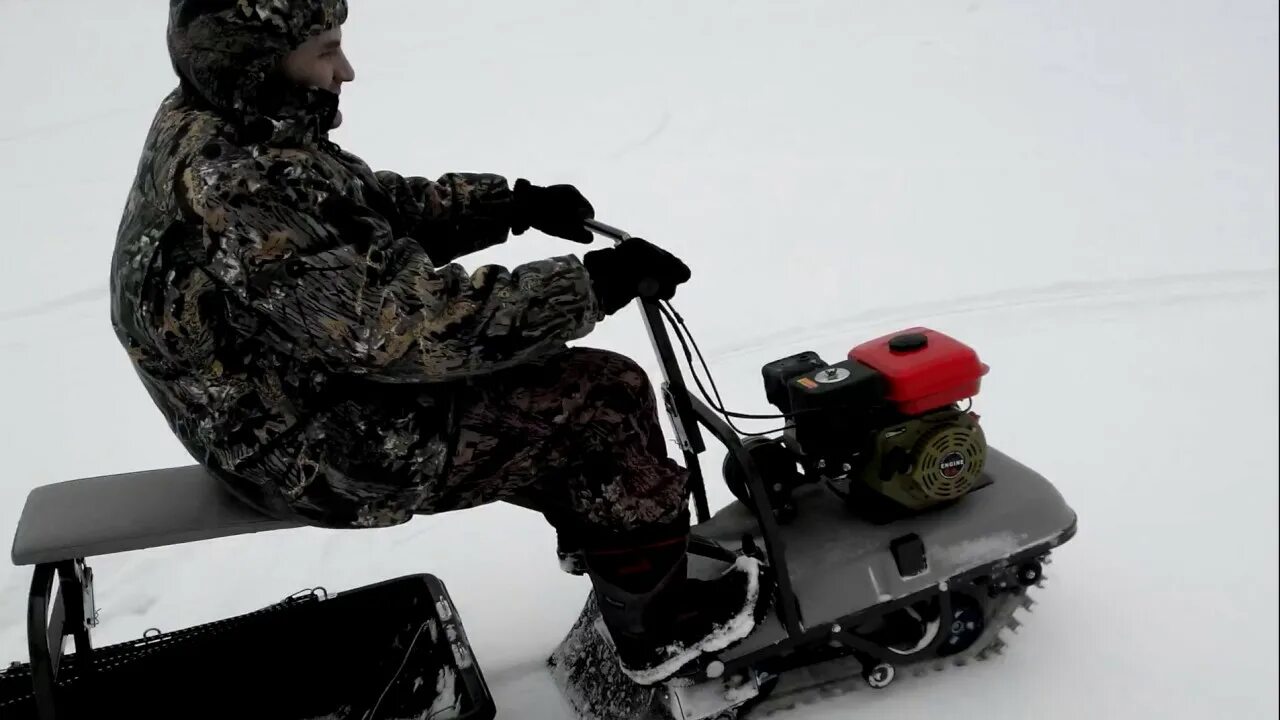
(675, 395)
(606, 230)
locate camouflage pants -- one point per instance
(576, 437)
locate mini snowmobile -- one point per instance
(900, 539)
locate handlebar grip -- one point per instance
(649, 287)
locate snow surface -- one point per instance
(1085, 191)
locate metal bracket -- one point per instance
(669, 400)
(61, 604)
(712, 698)
(89, 615)
(77, 591)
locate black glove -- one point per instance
(557, 210)
(617, 273)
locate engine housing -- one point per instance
(924, 461)
(884, 424)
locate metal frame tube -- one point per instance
(686, 411)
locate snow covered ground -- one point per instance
(1086, 192)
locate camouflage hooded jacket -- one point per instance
(296, 316)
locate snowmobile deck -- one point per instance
(841, 565)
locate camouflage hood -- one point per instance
(227, 54)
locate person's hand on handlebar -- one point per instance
(557, 210)
(617, 273)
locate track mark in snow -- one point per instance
(54, 128)
(653, 135)
(1156, 289)
(61, 302)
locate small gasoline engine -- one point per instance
(883, 428)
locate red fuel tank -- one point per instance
(925, 369)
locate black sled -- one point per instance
(900, 540)
(395, 649)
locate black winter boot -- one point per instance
(659, 619)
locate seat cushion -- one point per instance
(133, 511)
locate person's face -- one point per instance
(321, 63)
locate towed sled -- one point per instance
(899, 539)
(391, 650)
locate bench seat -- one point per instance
(132, 511)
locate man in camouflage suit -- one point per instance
(300, 321)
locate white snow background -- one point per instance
(1086, 192)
